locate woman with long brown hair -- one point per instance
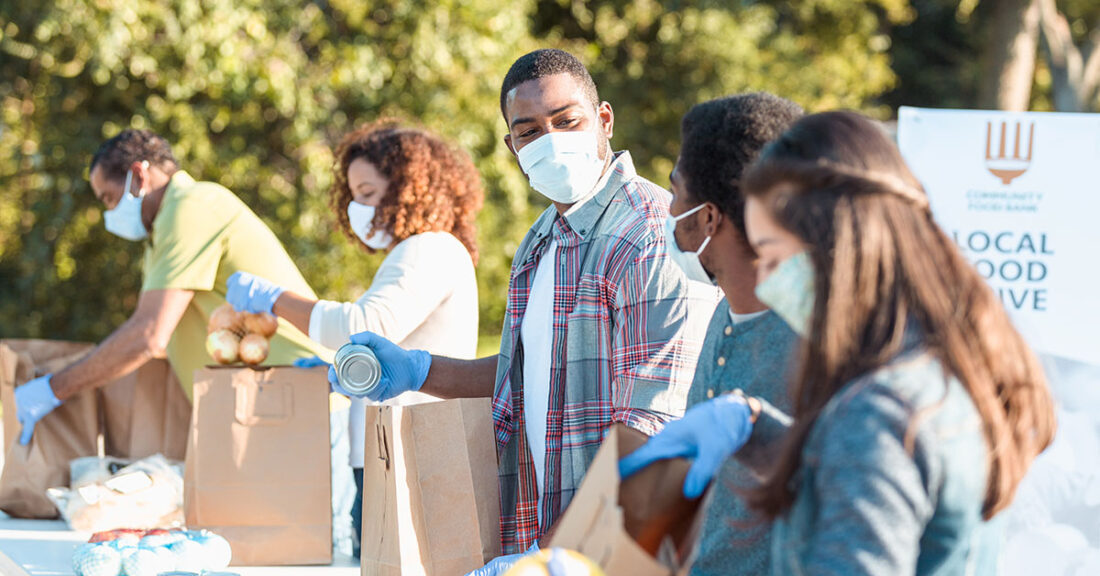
(406, 192)
(917, 406)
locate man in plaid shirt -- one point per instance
(601, 325)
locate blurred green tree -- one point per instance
(654, 60)
(1017, 55)
(255, 93)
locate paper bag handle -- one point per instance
(383, 444)
(263, 403)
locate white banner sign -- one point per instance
(1020, 194)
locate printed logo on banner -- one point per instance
(1005, 167)
(1009, 150)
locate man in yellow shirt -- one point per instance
(196, 235)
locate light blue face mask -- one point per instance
(789, 292)
(124, 220)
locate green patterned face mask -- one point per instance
(789, 292)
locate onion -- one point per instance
(253, 349)
(263, 324)
(224, 317)
(222, 346)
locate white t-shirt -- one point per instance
(423, 296)
(537, 333)
(739, 318)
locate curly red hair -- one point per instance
(433, 186)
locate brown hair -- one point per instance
(884, 266)
(433, 187)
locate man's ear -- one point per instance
(607, 118)
(141, 175)
(713, 218)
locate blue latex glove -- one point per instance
(501, 564)
(709, 433)
(402, 370)
(248, 293)
(34, 400)
(311, 362)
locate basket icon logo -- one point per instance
(1001, 165)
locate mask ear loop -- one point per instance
(144, 166)
(689, 212)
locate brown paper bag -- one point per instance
(70, 431)
(146, 413)
(595, 524)
(140, 414)
(257, 467)
(431, 504)
(655, 511)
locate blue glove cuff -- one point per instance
(47, 384)
(422, 361)
(272, 296)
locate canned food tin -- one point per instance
(357, 369)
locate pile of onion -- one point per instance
(233, 336)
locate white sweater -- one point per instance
(423, 296)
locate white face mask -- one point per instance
(688, 261)
(124, 220)
(360, 216)
(563, 166)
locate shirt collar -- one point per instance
(583, 216)
(178, 181)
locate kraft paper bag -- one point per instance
(257, 469)
(146, 413)
(138, 415)
(431, 503)
(606, 514)
(70, 431)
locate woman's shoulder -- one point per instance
(913, 390)
(441, 248)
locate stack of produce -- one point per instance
(233, 336)
(151, 552)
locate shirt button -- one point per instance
(710, 393)
(721, 361)
(729, 330)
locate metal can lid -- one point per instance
(357, 368)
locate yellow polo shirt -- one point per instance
(202, 235)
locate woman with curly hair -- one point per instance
(917, 407)
(406, 192)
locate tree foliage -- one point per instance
(255, 94)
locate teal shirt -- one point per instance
(752, 355)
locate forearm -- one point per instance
(451, 378)
(121, 353)
(294, 309)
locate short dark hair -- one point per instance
(115, 156)
(543, 63)
(720, 138)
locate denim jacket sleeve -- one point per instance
(868, 491)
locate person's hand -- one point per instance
(402, 370)
(249, 293)
(708, 433)
(501, 564)
(310, 362)
(34, 400)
